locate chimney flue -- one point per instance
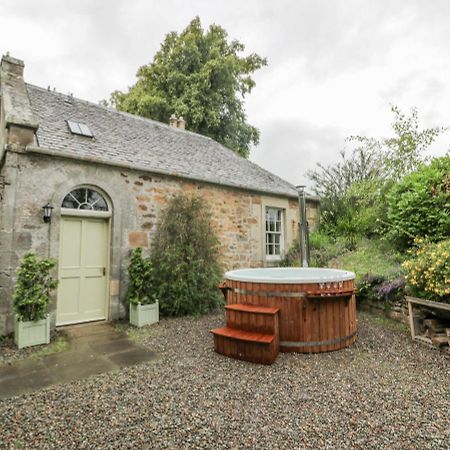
(173, 121)
(181, 123)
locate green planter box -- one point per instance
(27, 334)
(141, 315)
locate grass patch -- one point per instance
(376, 257)
(59, 345)
(135, 334)
(384, 322)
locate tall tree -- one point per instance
(199, 75)
(353, 190)
(386, 159)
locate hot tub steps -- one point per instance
(253, 347)
(251, 333)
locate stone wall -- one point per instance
(136, 201)
(394, 310)
(238, 217)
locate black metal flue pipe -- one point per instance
(303, 228)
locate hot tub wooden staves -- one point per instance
(311, 317)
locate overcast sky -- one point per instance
(334, 66)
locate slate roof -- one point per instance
(124, 138)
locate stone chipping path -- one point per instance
(385, 392)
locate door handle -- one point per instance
(104, 271)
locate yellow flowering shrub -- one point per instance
(427, 271)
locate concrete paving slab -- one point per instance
(115, 346)
(70, 357)
(79, 371)
(27, 381)
(93, 349)
(9, 373)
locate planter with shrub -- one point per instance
(144, 307)
(31, 299)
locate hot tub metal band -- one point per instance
(269, 294)
(289, 294)
(314, 344)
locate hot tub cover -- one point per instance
(290, 275)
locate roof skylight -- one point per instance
(79, 128)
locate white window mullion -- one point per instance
(274, 226)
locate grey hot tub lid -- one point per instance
(290, 275)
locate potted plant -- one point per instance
(144, 307)
(31, 299)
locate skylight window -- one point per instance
(79, 128)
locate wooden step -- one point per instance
(251, 308)
(252, 318)
(247, 346)
(241, 335)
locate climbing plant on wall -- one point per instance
(185, 259)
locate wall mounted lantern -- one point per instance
(47, 213)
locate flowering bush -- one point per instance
(379, 289)
(391, 291)
(428, 270)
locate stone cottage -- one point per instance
(107, 175)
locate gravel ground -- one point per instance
(383, 392)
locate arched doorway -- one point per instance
(83, 257)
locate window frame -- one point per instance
(281, 233)
(100, 199)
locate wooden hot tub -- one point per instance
(316, 307)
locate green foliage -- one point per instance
(353, 191)
(292, 257)
(428, 270)
(322, 249)
(419, 205)
(365, 203)
(185, 259)
(342, 186)
(58, 345)
(403, 152)
(370, 256)
(33, 286)
(200, 76)
(140, 273)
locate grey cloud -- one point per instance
(291, 148)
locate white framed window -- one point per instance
(274, 233)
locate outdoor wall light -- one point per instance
(47, 212)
